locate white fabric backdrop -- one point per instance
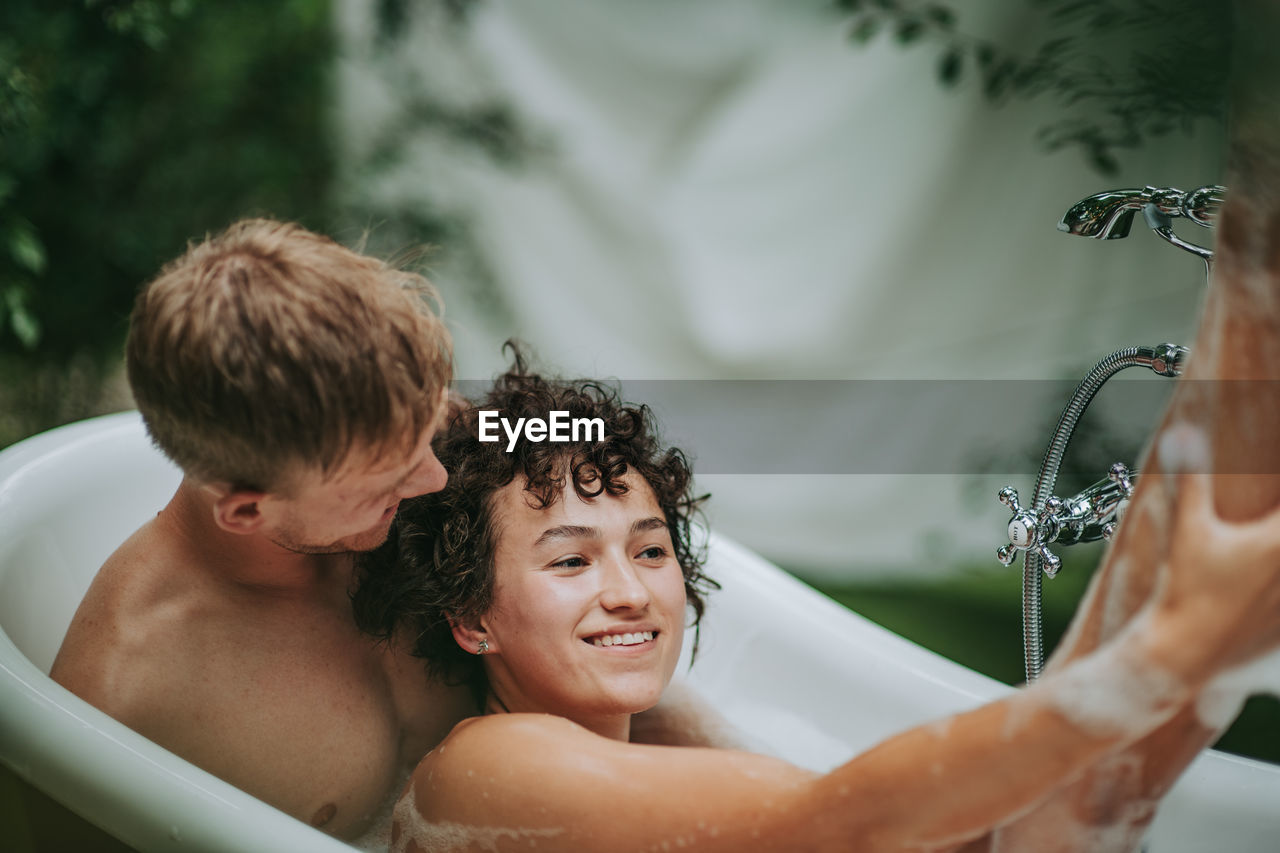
(734, 190)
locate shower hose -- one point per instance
(1156, 358)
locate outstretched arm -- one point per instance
(936, 787)
(568, 789)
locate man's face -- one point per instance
(353, 510)
(588, 604)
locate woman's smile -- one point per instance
(635, 640)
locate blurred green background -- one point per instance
(126, 129)
(129, 128)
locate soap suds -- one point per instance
(377, 838)
(1113, 691)
(1057, 828)
(445, 835)
(1184, 448)
(1220, 701)
(1114, 605)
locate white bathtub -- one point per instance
(803, 676)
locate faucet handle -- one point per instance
(1052, 562)
(1120, 474)
(1030, 530)
(1009, 497)
(1023, 526)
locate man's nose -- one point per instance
(428, 477)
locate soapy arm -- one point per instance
(936, 787)
(930, 788)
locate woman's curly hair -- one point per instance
(437, 563)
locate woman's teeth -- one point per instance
(623, 639)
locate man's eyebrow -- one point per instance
(567, 531)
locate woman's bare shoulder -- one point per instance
(478, 738)
(521, 761)
(479, 747)
(534, 773)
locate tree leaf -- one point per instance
(1104, 161)
(910, 30)
(25, 326)
(942, 17)
(27, 250)
(950, 65)
(865, 30)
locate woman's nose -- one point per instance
(623, 588)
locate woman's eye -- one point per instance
(570, 563)
(653, 552)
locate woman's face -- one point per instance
(589, 603)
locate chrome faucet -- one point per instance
(1109, 215)
(1094, 513)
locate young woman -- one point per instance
(556, 578)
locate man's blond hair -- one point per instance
(269, 347)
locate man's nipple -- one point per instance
(324, 814)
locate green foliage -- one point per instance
(127, 127)
(489, 126)
(1122, 72)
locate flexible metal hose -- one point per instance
(1032, 564)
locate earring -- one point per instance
(483, 647)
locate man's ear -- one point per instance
(471, 637)
(236, 510)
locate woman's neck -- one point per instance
(614, 727)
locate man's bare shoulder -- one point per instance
(272, 694)
(125, 626)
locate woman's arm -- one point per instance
(504, 781)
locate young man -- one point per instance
(297, 384)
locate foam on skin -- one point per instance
(1114, 691)
(377, 838)
(1220, 701)
(1115, 823)
(445, 835)
(1184, 448)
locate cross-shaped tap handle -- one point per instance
(1120, 474)
(1031, 531)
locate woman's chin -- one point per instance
(635, 702)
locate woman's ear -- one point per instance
(471, 637)
(236, 510)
